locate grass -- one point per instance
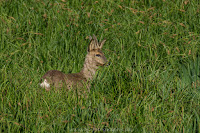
(151, 85)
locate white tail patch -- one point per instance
(45, 84)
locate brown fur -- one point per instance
(94, 58)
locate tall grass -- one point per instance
(151, 85)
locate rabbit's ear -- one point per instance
(102, 43)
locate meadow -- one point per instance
(151, 85)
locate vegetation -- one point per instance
(151, 85)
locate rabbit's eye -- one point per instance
(98, 55)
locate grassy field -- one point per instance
(151, 85)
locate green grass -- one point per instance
(151, 85)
